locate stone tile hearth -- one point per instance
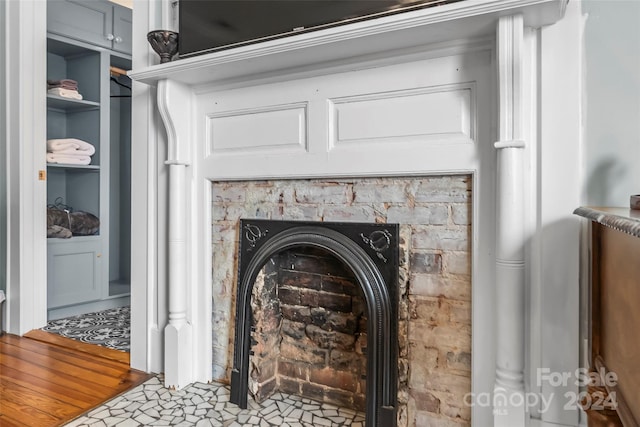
(151, 404)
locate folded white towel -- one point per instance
(70, 146)
(65, 93)
(70, 159)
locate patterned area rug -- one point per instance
(108, 328)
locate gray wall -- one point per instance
(611, 101)
(3, 168)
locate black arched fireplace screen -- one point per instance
(371, 252)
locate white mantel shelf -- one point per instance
(464, 20)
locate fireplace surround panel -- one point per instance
(433, 290)
(371, 252)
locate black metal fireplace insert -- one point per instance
(371, 251)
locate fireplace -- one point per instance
(433, 292)
(370, 252)
(443, 92)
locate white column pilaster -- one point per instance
(174, 105)
(509, 389)
(24, 130)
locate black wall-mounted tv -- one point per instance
(210, 25)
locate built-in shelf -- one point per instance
(74, 239)
(73, 167)
(69, 104)
(79, 268)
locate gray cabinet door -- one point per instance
(87, 21)
(122, 24)
(74, 271)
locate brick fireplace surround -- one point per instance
(434, 319)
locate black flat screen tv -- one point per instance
(210, 25)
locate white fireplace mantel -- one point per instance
(358, 46)
(464, 20)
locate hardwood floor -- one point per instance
(47, 380)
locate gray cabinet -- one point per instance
(122, 29)
(89, 273)
(74, 270)
(98, 22)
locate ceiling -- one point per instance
(125, 3)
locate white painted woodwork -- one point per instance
(423, 115)
(428, 127)
(562, 180)
(510, 238)
(350, 44)
(177, 334)
(148, 214)
(420, 50)
(281, 127)
(173, 104)
(24, 40)
(3, 177)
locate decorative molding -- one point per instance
(509, 144)
(174, 105)
(23, 31)
(424, 115)
(510, 236)
(178, 333)
(463, 20)
(253, 234)
(510, 77)
(620, 219)
(387, 126)
(379, 241)
(272, 127)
